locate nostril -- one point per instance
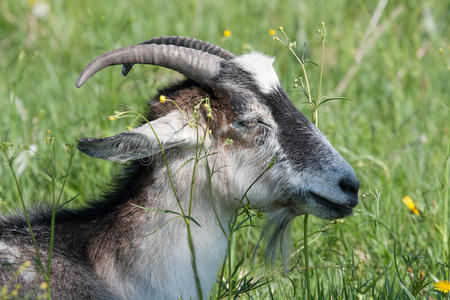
(348, 185)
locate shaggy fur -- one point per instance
(114, 250)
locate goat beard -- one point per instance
(276, 233)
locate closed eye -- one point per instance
(263, 123)
(240, 124)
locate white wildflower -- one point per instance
(41, 9)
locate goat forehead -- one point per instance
(254, 107)
(260, 67)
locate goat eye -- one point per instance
(247, 124)
(263, 123)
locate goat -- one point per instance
(106, 251)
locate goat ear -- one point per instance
(141, 142)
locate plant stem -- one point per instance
(315, 117)
(321, 70)
(186, 218)
(232, 229)
(230, 275)
(166, 164)
(446, 223)
(198, 150)
(27, 217)
(305, 243)
(314, 109)
(222, 271)
(209, 175)
(52, 222)
(194, 172)
(308, 89)
(193, 261)
(55, 207)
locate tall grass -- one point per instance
(57, 181)
(393, 131)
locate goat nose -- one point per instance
(350, 186)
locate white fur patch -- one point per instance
(13, 256)
(171, 130)
(28, 275)
(10, 253)
(260, 66)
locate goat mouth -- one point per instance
(341, 209)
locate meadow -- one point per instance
(389, 59)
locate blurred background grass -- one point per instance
(394, 131)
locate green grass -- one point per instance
(393, 131)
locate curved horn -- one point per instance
(186, 42)
(194, 64)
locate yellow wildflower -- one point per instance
(48, 131)
(162, 99)
(4, 292)
(408, 201)
(228, 141)
(272, 32)
(227, 33)
(112, 118)
(43, 285)
(27, 264)
(280, 28)
(442, 286)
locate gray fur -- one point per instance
(114, 250)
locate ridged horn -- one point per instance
(194, 64)
(186, 42)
